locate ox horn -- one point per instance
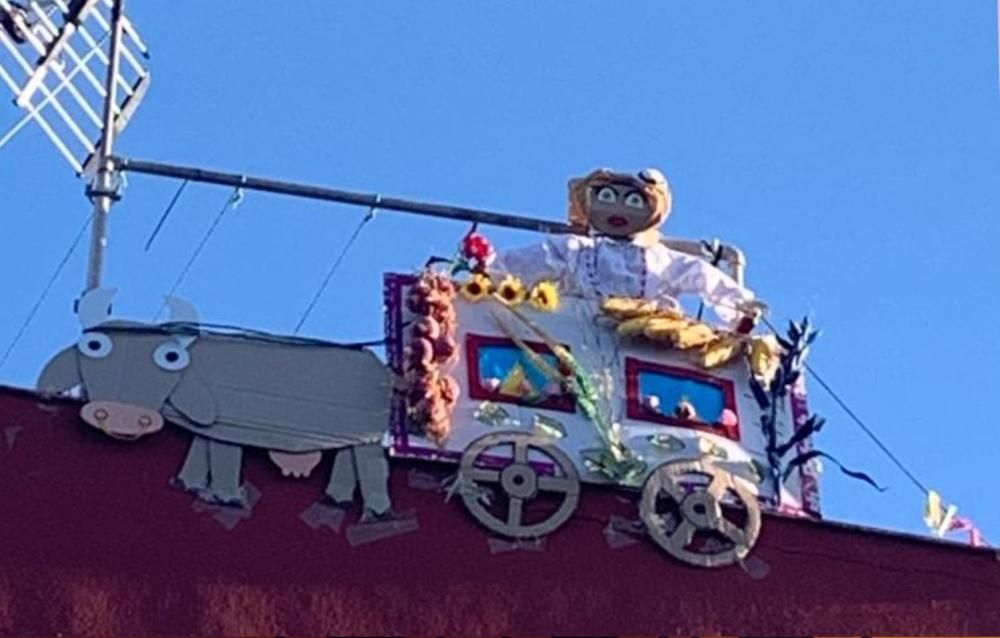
(182, 311)
(95, 307)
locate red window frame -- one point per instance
(635, 409)
(473, 342)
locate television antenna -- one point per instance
(77, 70)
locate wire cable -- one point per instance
(45, 292)
(369, 216)
(857, 419)
(232, 202)
(865, 428)
(166, 213)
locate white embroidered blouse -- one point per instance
(597, 267)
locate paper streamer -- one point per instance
(942, 519)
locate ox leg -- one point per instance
(225, 462)
(373, 477)
(343, 477)
(193, 476)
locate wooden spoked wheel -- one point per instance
(700, 513)
(520, 480)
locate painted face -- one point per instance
(619, 209)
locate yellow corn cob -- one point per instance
(693, 336)
(633, 327)
(627, 307)
(663, 328)
(669, 313)
(721, 351)
(764, 353)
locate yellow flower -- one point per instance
(511, 291)
(477, 288)
(545, 296)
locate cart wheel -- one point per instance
(520, 481)
(685, 516)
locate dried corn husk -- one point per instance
(664, 328)
(721, 351)
(765, 356)
(693, 336)
(628, 308)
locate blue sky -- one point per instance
(852, 149)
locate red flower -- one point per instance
(476, 247)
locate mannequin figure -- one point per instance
(619, 252)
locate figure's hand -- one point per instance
(753, 307)
(752, 311)
(666, 302)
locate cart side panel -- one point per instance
(577, 326)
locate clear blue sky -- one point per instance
(851, 148)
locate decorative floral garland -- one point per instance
(543, 296)
(475, 255)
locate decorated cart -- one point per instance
(533, 386)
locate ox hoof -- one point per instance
(237, 499)
(326, 499)
(371, 516)
(191, 487)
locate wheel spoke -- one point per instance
(665, 483)
(733, 533)
(717, 488)
(520, 451)
(683, 535)
(514, 509)
(555, 484)
(484, 475)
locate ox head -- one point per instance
(129, 371)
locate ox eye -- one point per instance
(635, 200)
(607, 195)
(95, 345)
(171, 356)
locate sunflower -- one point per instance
(544, 296)
(477, 288)
(511, 290)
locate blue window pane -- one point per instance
(515, 373)
(708, 400)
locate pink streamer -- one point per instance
(963, 524)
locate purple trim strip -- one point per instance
(810, 485)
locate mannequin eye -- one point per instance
(95, 345)
(607, 195)
(635, 200)
(171, 356)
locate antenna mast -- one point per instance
(104, 191)
(53, 54)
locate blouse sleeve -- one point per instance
(680, 273)
(552, 259)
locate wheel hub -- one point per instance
(519, 480)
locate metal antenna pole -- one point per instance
(103, 191)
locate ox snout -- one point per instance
(121, 420)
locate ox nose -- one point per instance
(121, 420)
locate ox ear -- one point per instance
(193, 399)
(61, 373)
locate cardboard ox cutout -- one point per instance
(620, 253)
(231, 391)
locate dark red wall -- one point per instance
(95, 541)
